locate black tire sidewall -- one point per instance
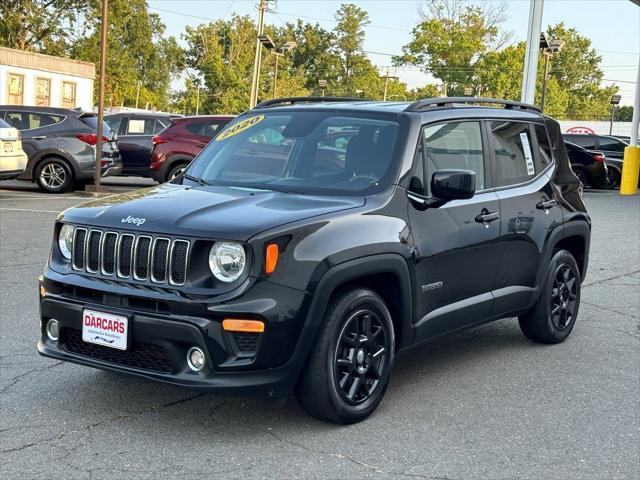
(322, 381)
(582, 176)
(66, 186)
(173, 168)
(614, 175)
(560, 258)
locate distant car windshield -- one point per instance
(302, 151)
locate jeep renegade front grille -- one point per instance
(125, 255)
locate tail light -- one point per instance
(90, 138)
(157, 140)
(599, 158)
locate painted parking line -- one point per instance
(28, 210)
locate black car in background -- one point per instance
(612, 146)
(135, 131)
(589, 167)
(61, 146)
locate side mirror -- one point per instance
(453, 184)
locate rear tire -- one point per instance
(614, 177)
(349, 368)
(175, 171)
(582, 176)
(54, 176)
(553, 316)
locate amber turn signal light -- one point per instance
(236, 325)
(271, 258)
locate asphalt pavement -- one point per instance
(483, 404)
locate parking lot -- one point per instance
(486, 403)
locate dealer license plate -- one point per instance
(105, 329)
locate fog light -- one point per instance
(53, 329)
(195, 359)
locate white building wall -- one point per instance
(599, 127)
(84, 87)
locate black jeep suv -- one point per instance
(314, 239)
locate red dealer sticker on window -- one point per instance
(105, 329)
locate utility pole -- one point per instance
(262, 8)
(386, 83)
(137, 93)
(96, 187)
(197, 99)
(531, 56)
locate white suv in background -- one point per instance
(13, 160)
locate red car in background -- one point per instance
(180, 142)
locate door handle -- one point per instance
(486, 217)
(546, 205)
(40, 137)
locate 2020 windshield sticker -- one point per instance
(239, 127)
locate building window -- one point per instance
(68, 95)
(43, 87)
(15, 86)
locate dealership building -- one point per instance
(34, 79)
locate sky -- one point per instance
(612, 25)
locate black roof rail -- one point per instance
(291, 100)
(449, 102)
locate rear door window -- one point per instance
(513, 152)
(584, 141)
(140, 126)
(544, 157)
(611, 144)
(30, 121)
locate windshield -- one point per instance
(303, 151)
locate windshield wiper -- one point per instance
(198, 180)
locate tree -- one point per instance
(349, 40)
(39, 25)
(451, 40)
(625, 113)
(139, 59)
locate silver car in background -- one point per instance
(61, 146)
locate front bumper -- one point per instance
(160, 337)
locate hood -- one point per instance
(218, 212)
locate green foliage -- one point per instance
(450, 42)
(625, 113)
(45, 26)
(138, 54)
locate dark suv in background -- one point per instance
(315, 238)
(135, 131)
(185, 138)
(61, 144)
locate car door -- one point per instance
(611, 147)
(521, 157)
(135, 144)
(456, 244)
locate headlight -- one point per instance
(227, 261)
(65, 241)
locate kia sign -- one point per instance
(581, 130)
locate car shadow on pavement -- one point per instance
(437, 364)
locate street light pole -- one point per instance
(96, 187)
(615, 100)
(544, 79)
(531, 55)
(255, 81)
(275, 73)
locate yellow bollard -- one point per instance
(630, 170)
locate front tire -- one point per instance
(349, 369)
(614, 177)
(54, 176)
(553, 316)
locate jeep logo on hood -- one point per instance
(135, 220)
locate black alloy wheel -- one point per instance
(360, 357)
(563, 297)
